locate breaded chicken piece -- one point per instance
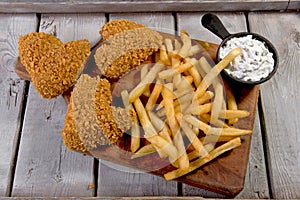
(96, 122)
(126, 50)
(53, 66)
(70, 133)
(34, 46)
(104, 112)
(117, 26)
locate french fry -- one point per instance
(193, 138)
(231, 114)
(156, 121)
(215, 71)
(177, 137)
(194, 50)
(154, 95)
(144, 71)
(164, 58)
(195, 154)
(144, 119)
(217, 104)
(219, 123)
(142, 86)
(167, 147)
(201, 161)
(216, 138)
(208, 95)
(177, 45)
(215, 131)
(231, 104)
(135, 128)
(173, 71)
(187, 43)
(145, 150)
(201, 109)
(160, 126)
(169, 45)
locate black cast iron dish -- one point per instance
(213, 23)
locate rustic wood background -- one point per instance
(34, 161)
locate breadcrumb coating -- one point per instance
(84, 112)
(126, 50)
(33, 46)
(117, 26)
(70, 133)
(105, 118)
(53, 66)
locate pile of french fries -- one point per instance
(187, 103)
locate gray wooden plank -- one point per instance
(115, 180)
(294, 5)
(281, 102)
(45, 167)
(11, 91)
(234, 22)
(63, 6)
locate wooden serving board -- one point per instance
(223, 175)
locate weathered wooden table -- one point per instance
(33, 159)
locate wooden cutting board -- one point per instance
(223, 175)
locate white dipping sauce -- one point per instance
(255, 63)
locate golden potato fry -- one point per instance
(164, 58)
(201, 109)
(219, 123)
(144, 119)
(187, 43)
(232, 105)
(217, 104)
(145, 150)
(215, 71)
(195, 154)
(135, 128)
(167, 147)
(175, 130)
(154, 95)
(198, 146)
(142, 86)
(231, 114)
(201, 161)
(207, 129)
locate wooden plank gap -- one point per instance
(17, 140)
(265, 144)
(96, 176)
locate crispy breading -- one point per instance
(117, 26)
(84, 112)
(34, 46)
(105, 118)
(126, 50)
(70, 133)
(53, 66)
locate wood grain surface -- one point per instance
(45, 167)
(228, 179)
(281, 102)
(63, 6)
(12, 92)
(116, 180)
(234, 22)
